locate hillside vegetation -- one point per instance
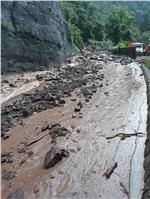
(107, 23)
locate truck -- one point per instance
(139, 47)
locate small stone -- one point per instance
(94, 90)
(16, 194)
(36, 190)
(72, 150)
(61, 101)
(39, 77)
(22, 162)
(75, 165)
(3, 154)
(94, 170)
(106, 93)
(61, 172)
(6, 135)
(80, 116)
(74, 141)
(45, 126)
(12, 85)
(73, 99)
(78, 148)
(72, 126)
(87, 100)
(77, 108)
(5, 81)
(3, 161)
(30, 153)
(80, 104)
(74, 193)
(78, 130)
(52, 176)
(74, 116)
(9, 160)
(8, 175)
(85, 192)
(89, 96)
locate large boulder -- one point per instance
(34, 36)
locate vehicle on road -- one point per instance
(139, 48)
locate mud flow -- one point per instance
(75, 132)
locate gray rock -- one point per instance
(39, 77)
(86, 91)
(72, 150)
(77, 108)
(9, 175)
(61, 171)
(78, 148)
(34, 36)
(45, 126)
(54, 156)
(16, 194)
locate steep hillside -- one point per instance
(34, 36)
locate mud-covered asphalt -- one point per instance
(101, 100)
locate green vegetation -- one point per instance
(104, 43)
(121, 44)
(119, 24)
(107, 23)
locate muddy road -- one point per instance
(93, 123)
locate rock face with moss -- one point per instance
(34, 36)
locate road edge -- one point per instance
(146, 191)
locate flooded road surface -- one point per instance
(106, 143)
(124, 112)
(14, 85)
(23, 89)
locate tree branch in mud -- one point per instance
(36, 140)
(124, 135)
(124, 189)
(109, 171)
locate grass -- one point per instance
(147, 62)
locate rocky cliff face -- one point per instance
(34, 36)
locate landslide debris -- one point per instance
(80, 71)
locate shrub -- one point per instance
(75, 35)
(104, 43)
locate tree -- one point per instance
(145, 22)
(145, 37)
(119, 24)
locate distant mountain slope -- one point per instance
(137, 8)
